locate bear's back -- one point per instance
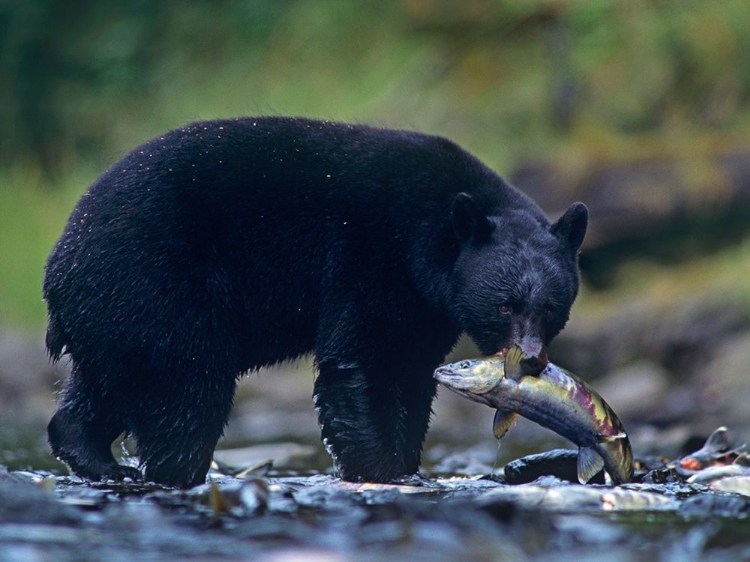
(264, 218)
(264, 192)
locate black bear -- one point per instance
(233, 244)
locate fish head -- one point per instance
(515, 278)
(475, 378)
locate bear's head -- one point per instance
(515, 278)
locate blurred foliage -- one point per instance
(81, 83)
(87, 80)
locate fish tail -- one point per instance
(718, 441)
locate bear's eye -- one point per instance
(505, 309)
(549, 313)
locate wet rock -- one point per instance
(21, 477)
(453, 518)
(282, 455)
(706, 505)
(717, 473)
(636, 500)
(553, 498)
(237, 499)
(24, 502)
(335, 498)
(677, 489)
(733, 484)
(561, 463)
(646, 463)
(468, 487)
(660, 476)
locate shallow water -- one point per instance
(276, 515)
(295, 507)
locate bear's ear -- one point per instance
(469, 222)
(571, 227)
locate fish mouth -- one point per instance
(455, 381)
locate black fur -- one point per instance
(229, 245)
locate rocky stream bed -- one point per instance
(262, 512)
(661, 331)
(273, 495)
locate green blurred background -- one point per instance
(641, 109)
(571, 83)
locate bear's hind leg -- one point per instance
(177, 426)
(82, 430)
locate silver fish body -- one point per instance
(555, 399)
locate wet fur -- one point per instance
(229, 245)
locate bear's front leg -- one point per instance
(373, 422)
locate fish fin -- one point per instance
(589, 463)
(718, 441)
(502, 422)
(612, 438)
(513, 363)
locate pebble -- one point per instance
(733, 484)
